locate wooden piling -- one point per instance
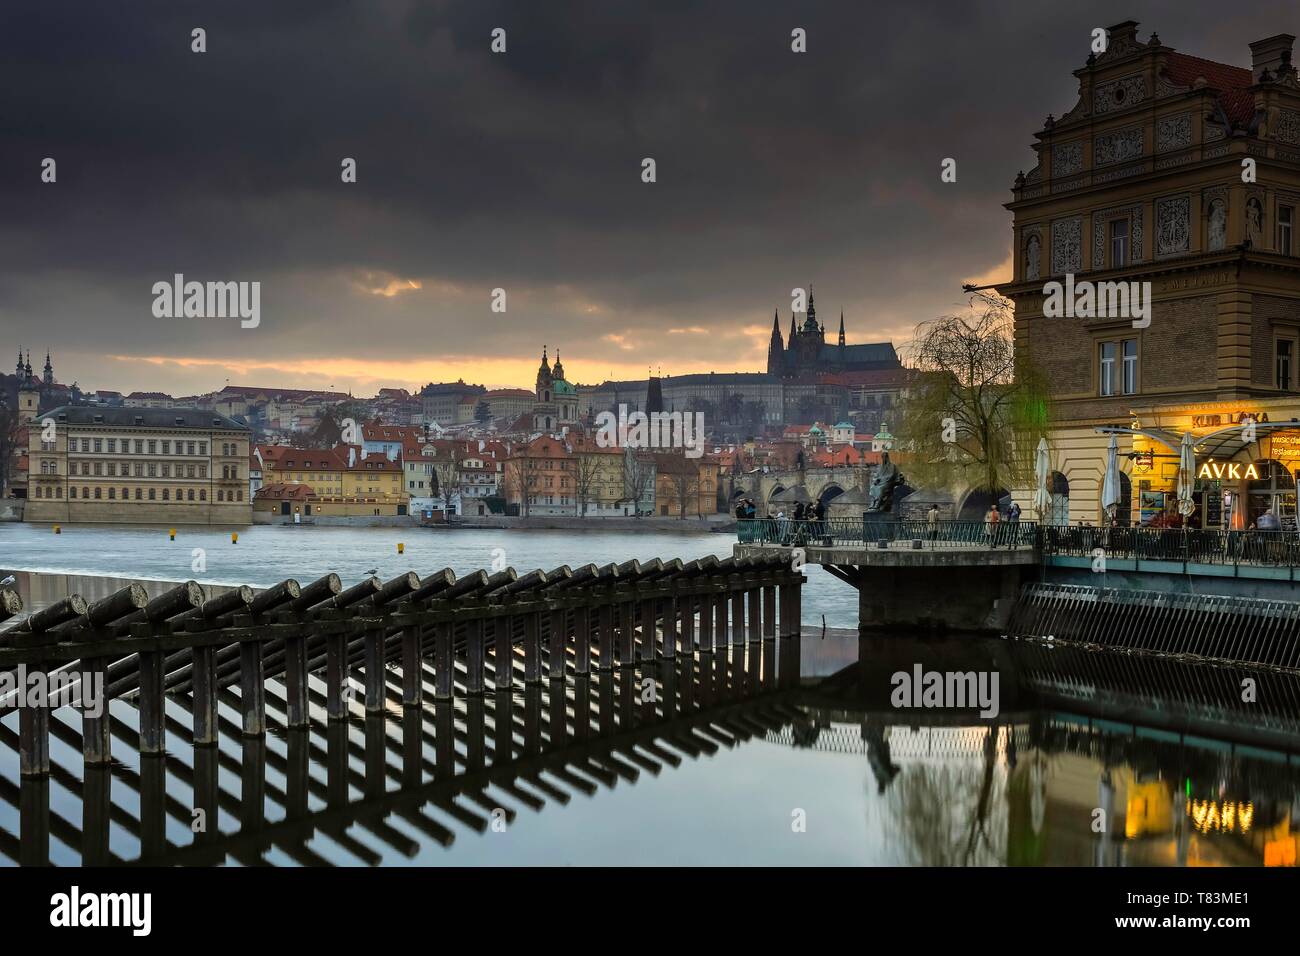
(374, 671)
(605, 637)
(557, 644)
(532, 648)
(474, 657)
(412, 666)
(34, 735)
(252, 688)
(204, 684)
(295, 681)
(582, 639)
(444, 671)
(153, 736)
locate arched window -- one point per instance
(1058, 513)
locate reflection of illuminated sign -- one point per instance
(1223, 817)
(1215, 470)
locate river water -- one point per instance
(824, 770)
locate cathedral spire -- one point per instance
(557, 370)
(841, 326)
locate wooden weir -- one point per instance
(553, 624)
(520, 719)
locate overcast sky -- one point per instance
(519, 171)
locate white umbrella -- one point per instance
(1042, 498)
(1110, 483)
(1186, 475)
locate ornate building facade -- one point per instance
(1175, 177)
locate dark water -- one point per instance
(751, 760)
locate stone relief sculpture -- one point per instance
(1218, 231)
(1172, 227)
(1033, 256)
(1254, 221)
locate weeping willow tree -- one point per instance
(974, 411)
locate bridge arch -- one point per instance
(829, 493)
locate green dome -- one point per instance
(561, 387)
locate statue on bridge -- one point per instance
(884, 483)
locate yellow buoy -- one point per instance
(58, 530)
(401, 548)
(171, 533)
(234, 537)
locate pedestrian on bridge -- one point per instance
(991, 521)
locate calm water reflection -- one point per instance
(719, 765)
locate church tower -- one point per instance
(48, 375)
(775, 348)
(544, 379)
(557, 370)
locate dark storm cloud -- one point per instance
(523, 170)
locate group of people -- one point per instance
(804, 520)
(993, 521)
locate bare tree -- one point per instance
(686, 487)
(10, 439)
(974, 411)
(586, 480)
(638, 477)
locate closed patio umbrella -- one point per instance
(1186, 475)
(1110, 489)
(1042, 467)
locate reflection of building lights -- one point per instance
(1225, 817)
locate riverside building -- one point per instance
(95, 464)
(1180, 174)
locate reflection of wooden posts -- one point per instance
(532, 648)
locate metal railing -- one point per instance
(1183, 545)
(869, 532)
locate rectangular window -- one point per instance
(1285, 219)
(1130, 348)
(1284, 354)
(153, 447)
(112, 444)
(1107, 368)
(166, 448)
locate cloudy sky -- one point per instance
(519, 171)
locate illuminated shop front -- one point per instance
(1247, 465)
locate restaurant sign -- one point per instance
(1228, 418)
(1227, 471)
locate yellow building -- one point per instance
(91, 463)
(1157, 281)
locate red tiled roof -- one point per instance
(1233, 82)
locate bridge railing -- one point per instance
(865, 532)
(1183, 545)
